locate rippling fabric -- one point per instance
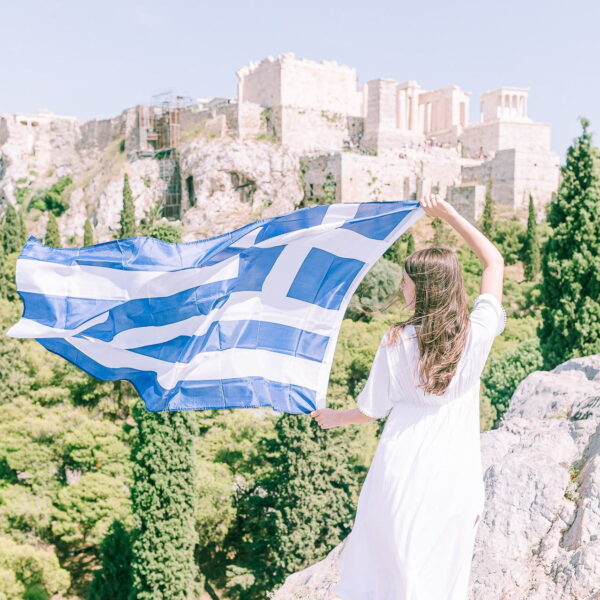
(245, 319)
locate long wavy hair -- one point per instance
(441, 316)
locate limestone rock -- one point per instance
(234, 181)
(539, 538)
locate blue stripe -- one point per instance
(61, 312)
(255, 335)
(324, 278)
(139, 253)
(67, 312)
(299, 219)
(149, 254)
(246, 392)
(376, 220)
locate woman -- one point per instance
(423, 496)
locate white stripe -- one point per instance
(271, 305)
(344, 243)
(226, 364)
(28, 328)
(340, 213)
(248, 240)
(104, 283)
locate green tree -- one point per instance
(395, 252)
(29, 572)
(166, 232)
(504, 373)
(163, 503)
(509, 237)
(298, 510)
(52, 237)
(53, 198)
(88, 233)
(22, 228)
(375, 291)
(531, 248)
(113, 580)
(442, 233)
(11, 231)
(410, 243)
(570, 286)
(127, 224)
(487, 218)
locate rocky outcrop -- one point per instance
(539, 538)
(227, 182)
(236, 182)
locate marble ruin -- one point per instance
(338, 142)
(406, 139)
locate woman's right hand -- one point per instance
(435, 206)
(327, 417)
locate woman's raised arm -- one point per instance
(493, 261)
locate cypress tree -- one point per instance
(299, 509)
(531, 248)
(11, 234)
(88, 233)
(394, 252)
(22, 228)
(570, 286)
(127, 223)
(163, 504)
(442, 232)
(52, 237)
(410, 244)
(487, 218)
(113, 580)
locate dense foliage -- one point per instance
(53, 199)
(163, 502)
(571, 259)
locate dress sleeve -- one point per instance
(374, 401)
(488, 316)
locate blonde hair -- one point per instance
(441, 315)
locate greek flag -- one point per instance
(245, 319)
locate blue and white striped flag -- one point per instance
(245, 319)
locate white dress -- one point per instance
(414, 528)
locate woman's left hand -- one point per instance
(326, 417)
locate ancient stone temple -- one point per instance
(420, 138)
(298, 132)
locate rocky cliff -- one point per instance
(540, 534)
(232, 181)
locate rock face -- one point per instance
(232, 181)
(540, 534)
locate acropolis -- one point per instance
(298, 132)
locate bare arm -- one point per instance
(493, 261)
(329, 417)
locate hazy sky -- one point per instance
(92, 60)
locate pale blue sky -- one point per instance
(92, 60)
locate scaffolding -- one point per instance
(159, 127)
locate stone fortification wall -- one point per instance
(503, 135)
(514, 174)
